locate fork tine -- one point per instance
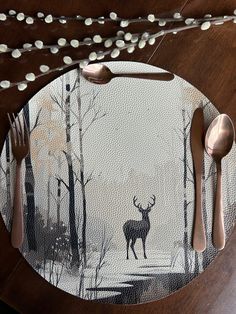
(21, 131)
(17, 130)
(26, 131)
(12, 129)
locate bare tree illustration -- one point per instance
(89, 291)
(30, 185)
(94, 113)
(63, 100)
(185, 134)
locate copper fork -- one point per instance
(20, 148)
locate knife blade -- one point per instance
(197, 148)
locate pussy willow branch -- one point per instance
(214, 21)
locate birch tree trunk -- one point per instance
(30, 196)
(82, 179)
(58, 203)
(71, 182)
(59, 195)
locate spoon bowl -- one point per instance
(219, 137)
(101, 74)
(219, 140)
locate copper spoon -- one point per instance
(101, 74)
(218, 143)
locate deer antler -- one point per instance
(135, 204)
(150, 205)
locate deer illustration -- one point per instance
(138, 229)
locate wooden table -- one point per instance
(206, 59)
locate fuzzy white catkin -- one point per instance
(74, 43)
(142, 44)
(54, 50)
(162, 23)
(189, 21)
(20, 16)
(151, 41)
(128, 36)
(83, 63)
(61, 42)
(22, 86)
(151, 18)
(205, 26)
(113, 16)
(134, 39)
(3, 48)
(5, 84)
(62, 21)
(16, 53)
(39, 44)
(3, 17)
(30, 77)
(97, 39)
(67, 60)
(108, 43)
(48, 19)
(124, 23)
(44, 68)
(115, 53)
(131, 49)
(177, 15)
(27, 46)
(29, 20)
(93, 56)
(40, 15)
(100, 56)
(88, 21)
(101, 20)
(12, 12)
(120, 43)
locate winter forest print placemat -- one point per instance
(103, 158)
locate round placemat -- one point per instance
(107, 159)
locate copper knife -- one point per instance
(197, 148)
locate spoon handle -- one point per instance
(148, 76)
(218, 222)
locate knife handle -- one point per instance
(218, 222)
(199, 236)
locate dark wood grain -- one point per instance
(206, 59)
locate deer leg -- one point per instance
(132, 247)
(144, 248)
(127, 247)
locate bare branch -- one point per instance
(186, 126)
(95, 118)
(54, 198)
(4, 171)
(56, 101)
(36, 123)
(77, 157)
(90, 177)
(189, 203)
(91, 105)
(190, 169)
(66, 185)
(190, 180)
(62, 198)
(77, 177)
